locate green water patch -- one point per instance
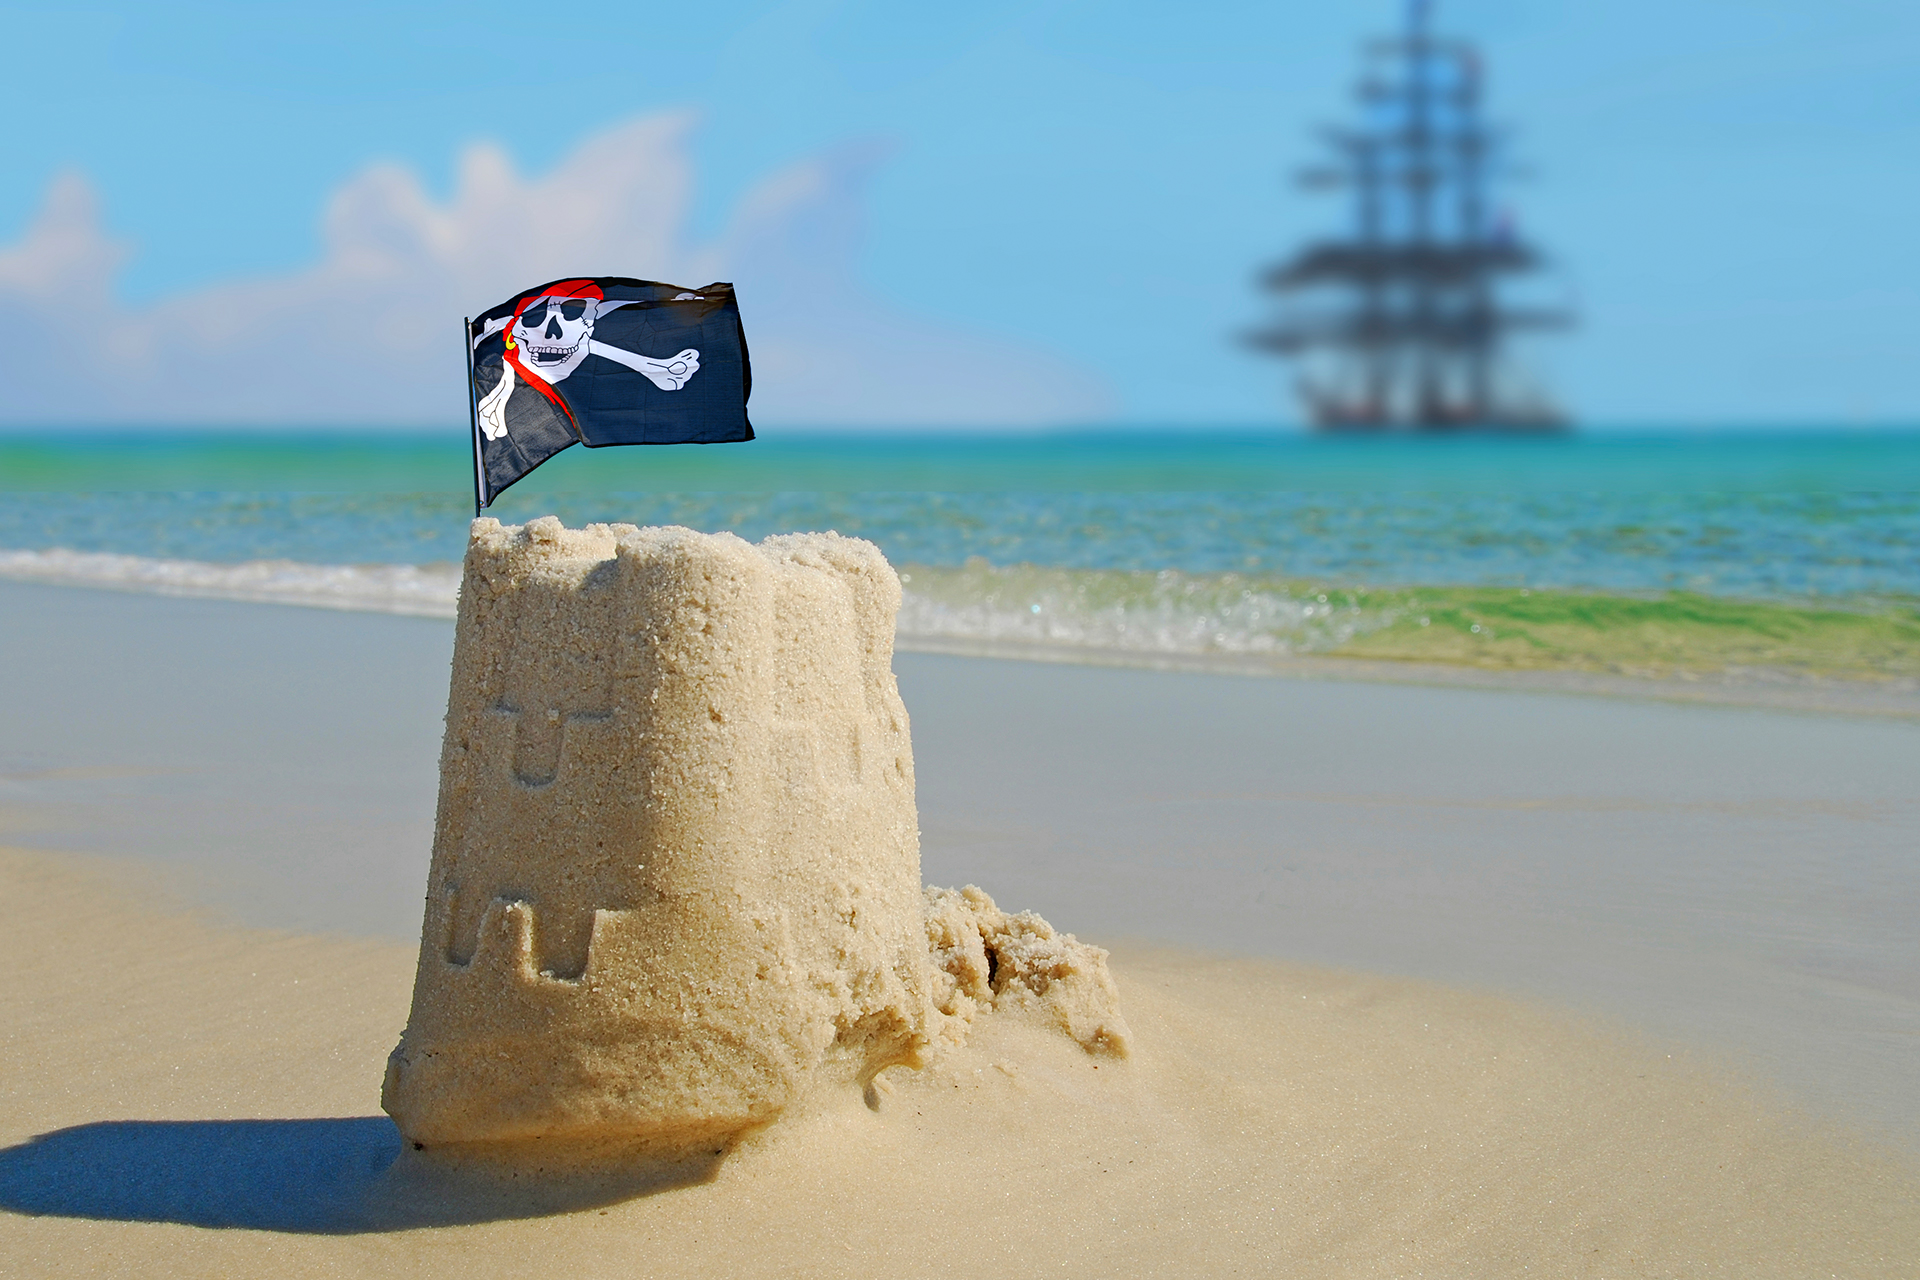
(1510, 628)
(1669, 634)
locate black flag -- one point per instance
(597, 362)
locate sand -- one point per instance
(1739, 881)
(188, 1099)
(1731, 874)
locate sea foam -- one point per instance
(975, 607)
(426, 590)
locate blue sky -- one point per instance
(1030, 212)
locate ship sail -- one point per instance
(1404, 323)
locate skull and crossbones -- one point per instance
(551, 332)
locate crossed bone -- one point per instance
(669, 374)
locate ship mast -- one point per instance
(1401, 324)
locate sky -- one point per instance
(994, 215)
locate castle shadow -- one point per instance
(339, 1176)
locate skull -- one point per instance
(552, 334)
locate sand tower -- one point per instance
(676, 870)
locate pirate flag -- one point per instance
(598, 362)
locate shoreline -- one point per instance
(426, 592)
(1760, 688)
(1737, 878)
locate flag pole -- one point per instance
(473, 420)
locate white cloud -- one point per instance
(367, 335)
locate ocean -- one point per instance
(1643, 552)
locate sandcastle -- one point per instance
(676, 871)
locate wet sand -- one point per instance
(1733, 886)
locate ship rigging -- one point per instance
(1403, 324)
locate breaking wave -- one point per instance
(973, 607)
(1164, 614)
(427, 590)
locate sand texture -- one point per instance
(189, 1100)
(986, 961)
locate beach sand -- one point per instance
(193, 1100)
(1656, 1012)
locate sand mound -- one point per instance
(986, 960)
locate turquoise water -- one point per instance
(1224, 529)
(1772, 516)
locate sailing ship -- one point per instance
(1404, 324)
